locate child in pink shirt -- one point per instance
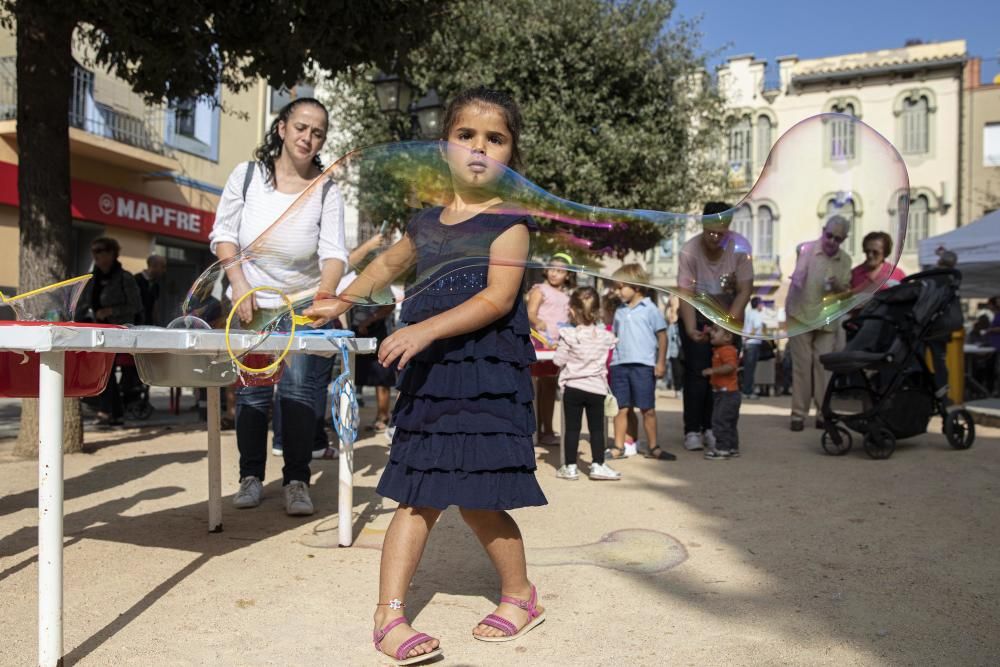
(582, 354)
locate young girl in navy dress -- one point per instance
(464, 417)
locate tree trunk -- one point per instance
(44, 86)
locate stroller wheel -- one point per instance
(960, 429)
(139, 410)
(837, 440)
(880, 443)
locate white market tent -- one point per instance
(978, 248)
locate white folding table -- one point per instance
(51, 343)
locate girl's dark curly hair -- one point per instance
(269, 151)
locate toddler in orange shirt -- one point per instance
(725, 394)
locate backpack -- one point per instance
(248, 179)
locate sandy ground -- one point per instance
(784, 557)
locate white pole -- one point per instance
(345, 475)
(50, 509)
(214, 461)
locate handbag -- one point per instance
(766, 351)
(610, 405)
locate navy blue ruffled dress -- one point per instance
(464, 417)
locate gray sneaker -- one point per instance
(297, 501)
(249, 494)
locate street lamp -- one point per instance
(395, 97)
(430, 114)
(393, 92)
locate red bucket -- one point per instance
(84, 373)
(260, 379)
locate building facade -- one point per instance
(980, 167)
(149, 176)
(911, 95)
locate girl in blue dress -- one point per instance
(464, 417)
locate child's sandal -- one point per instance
(400, 656)
(511, 632)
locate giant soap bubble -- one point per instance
(791, 239)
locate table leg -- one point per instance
(214, 461)
(345, 495)
(50, 509)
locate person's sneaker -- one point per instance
(797, 424)
(320, 453)
(277, 451)
(549, 440)
(631, 449)
(709, 439)
(249, 493)
(734, 453)
(603, 471)
(297, 500)
(568, 472)
(750, 397)
(693, 441)
(716, 454)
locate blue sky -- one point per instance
(811, 29)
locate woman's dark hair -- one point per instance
(489, 97)
(269, 151)
(586, 305)
(879, 236)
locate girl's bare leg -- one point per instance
(401, 551)
(500, 536)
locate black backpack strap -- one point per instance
(248, 179)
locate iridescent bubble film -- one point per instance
(52, 303)
(791, 237)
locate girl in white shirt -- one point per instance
(308, 243)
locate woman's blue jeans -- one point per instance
(297, 393)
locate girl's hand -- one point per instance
(246, 308)
(324, 310)
(403, 345)
(707, 372)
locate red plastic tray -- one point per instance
(84, 374)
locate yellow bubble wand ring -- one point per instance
(273, 366)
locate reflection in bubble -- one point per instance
(751, 248)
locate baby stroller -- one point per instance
(881, 385)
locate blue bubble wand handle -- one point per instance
(345, 401)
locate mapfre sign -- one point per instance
(125, 209)
(109, 206)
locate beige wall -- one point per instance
(10, 238)
(981, 184)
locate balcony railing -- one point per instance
(121, 120)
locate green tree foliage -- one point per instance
(616, 108)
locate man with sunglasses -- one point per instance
(822, 269)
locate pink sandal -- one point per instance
(404, 648)
(505, 626)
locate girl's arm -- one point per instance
(503, 282)
(535, 298)
(562, 354)
(378, 275)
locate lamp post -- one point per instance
(395, 98)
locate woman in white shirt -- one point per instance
(308, 244)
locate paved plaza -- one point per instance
(785, 556)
